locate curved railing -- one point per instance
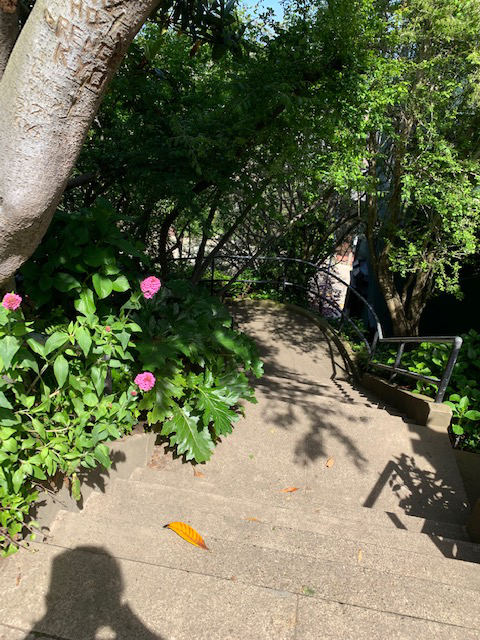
(378, 337)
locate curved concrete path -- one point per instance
(367, 546)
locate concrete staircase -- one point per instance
(372, 546)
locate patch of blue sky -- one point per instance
(276, 5)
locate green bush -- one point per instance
(71, 354)
(462, 395)
(189, 344)
(54, 412)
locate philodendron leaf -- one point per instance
(182, 428)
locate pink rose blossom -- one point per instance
(145, 381)
(11, 301)
(108, 328)
(150, 286)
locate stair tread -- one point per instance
(185, 603)
(304, 500)
(277, 569)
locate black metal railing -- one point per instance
(378, 338)
(440, 383)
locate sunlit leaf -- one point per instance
(186, 532)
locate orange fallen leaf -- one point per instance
(330, 462)
(198, 474)
(289, 490)
(252, 519)
(186, 532)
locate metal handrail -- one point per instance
(378, 338)
(441, 383)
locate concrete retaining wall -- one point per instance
(414, 405)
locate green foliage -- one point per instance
(55, 414)
(67, 378)
(80, 256)
(190, 336)
(463, 395)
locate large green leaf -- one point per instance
(121, 284)
(103, 285)
(65, 282)
(25, 360)
(4, 402)
(55, 341)
(98, 379)
(86, 303)
(183, 431)
(8, 348)
(36, 346)
(215, 404)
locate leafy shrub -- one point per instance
(67, 378)
(83, 252)
(188, 342)
(463, 395)
(54, 414)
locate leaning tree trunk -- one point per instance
(54, 80)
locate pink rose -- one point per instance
(145, 381)
(11, 301)
(150, 286)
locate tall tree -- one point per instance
(421, 117)
(55, 65)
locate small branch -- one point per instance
(80, 181)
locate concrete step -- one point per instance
(276, 569)
(285, 440)
(410, 555)
(261, 495)
(91, 594)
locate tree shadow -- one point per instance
(425, 484)
(85, 600)
(309, 394)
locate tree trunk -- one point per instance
(52, 86)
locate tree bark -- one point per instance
(54, 80)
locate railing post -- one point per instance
(442, 387)
(398, 359)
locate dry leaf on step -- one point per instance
(252, 519)
(289, 490)
(186, 532)
(360, 555)
(198, 474)
(330, 462)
